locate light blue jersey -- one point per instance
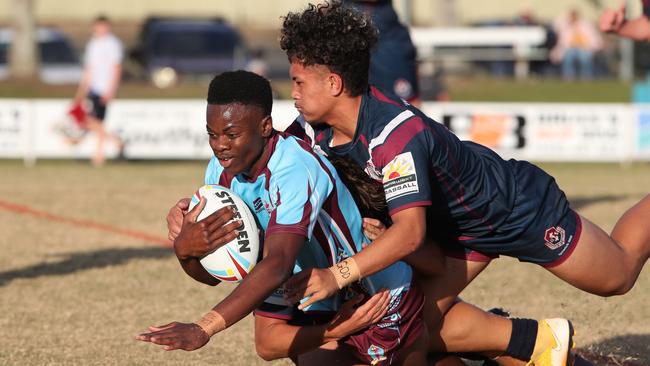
(298, 191)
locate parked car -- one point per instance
(59, 64)
(173, 48)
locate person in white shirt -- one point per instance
(99, 83)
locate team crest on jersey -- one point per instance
(377, 353)
(372, 171)
(555, 237)
(400, 177)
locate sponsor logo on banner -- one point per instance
(643, 139)
(13, 124)
(400, 177)
(555, 237)
(495, 130)
(580, 133)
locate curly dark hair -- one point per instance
(368, 194)
(243, 87)
(335, 35)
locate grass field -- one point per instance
(77, 294)
(482, 89)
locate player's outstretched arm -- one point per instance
(275, 338)
(401, 239)
(637, 29)
(614, 21)
(281, 251)
(611, 20)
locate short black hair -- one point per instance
(102, 18)
(335, 35)
(243, 87)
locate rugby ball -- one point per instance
(233, 261)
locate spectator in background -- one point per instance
(257, 63)
(525, 17)
(393, 67)
(577, 42)
(638, 29)
(99, 83)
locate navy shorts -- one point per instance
(97, 106)
(541, 228)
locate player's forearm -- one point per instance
(428, 260)
(192, 266)
(393, 245)
(283, 340)
(637, 29)
(268, 275)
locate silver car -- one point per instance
(59, 64)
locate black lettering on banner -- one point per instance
(516, 129)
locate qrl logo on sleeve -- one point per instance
(555, 237)
(400, 177)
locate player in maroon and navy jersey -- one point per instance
(438, 188)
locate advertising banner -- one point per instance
(643, 132)
(542, 131)
(175, 129)
(581, 132)
(15, 122)
(501, 127)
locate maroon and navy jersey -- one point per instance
(467, 188)
(474, 198)
(646, 7)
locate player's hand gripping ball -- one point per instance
(233, 261)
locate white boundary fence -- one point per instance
(175, 129)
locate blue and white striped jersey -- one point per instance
(298, 191)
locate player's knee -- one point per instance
(622, 288)
(454, 333)
(265, 353)
(617, 286)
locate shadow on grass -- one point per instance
(578, 203)
(626, 350)
(73, 262)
